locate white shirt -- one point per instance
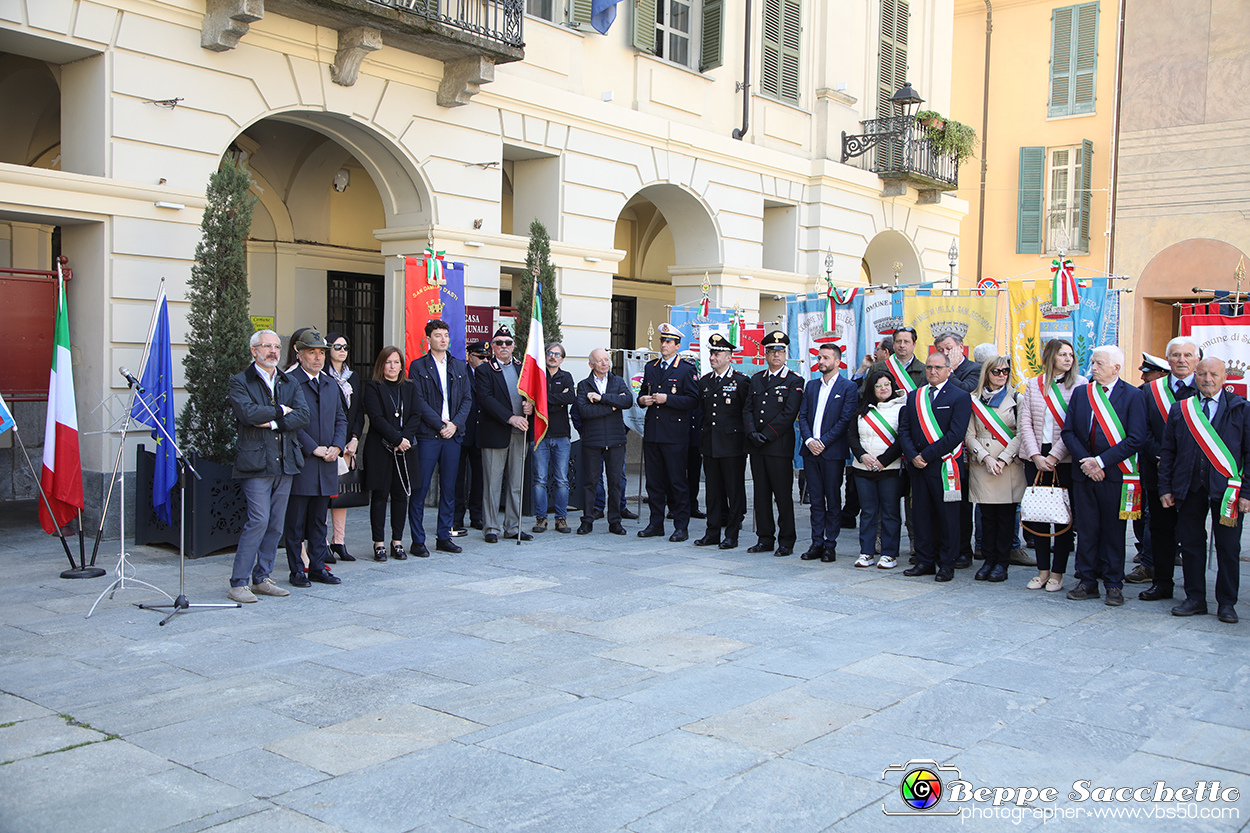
(822, 398)
(271, 379)
(601, 385)
(441, 367)
(1177, 382)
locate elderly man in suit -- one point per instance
(931, 428)
(501, 429)
(769, 414)
(322, 441)
(600, 401)
(1104, 430)
(1197, 475)
(827, 411)
(669, 392)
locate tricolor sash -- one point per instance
(991, 419)
(1217, 452)
(1109, 421)
(878, 423)
(951, 487)
(900, 374)
(1161, 393)
(1055, 402)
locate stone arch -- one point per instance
(883, 251)
(30, 98)
(1171, 276)
(689, 218)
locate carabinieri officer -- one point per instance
(722, 395)
(669, 391)
(771, 408)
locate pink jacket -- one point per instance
(1032, 419)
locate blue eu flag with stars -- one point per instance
(158, 385)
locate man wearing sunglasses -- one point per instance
(502, 425)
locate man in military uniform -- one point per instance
(669, 390)
(772, 405)
(722, 395)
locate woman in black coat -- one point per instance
(391, 404)
(351, 389)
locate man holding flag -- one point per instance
(61, 479)
(154, 404)
(503, 423)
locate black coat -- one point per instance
(602, 423)
(561, 391)
(670, 422)
(1148, 457)
(327, 426)
(263, 452)
(771, 408)
(494, 402)
(385, 428)
(1130, 405)
(423, 373)
(722, 402)
(1182, 464)
(952, 409)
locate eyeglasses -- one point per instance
(1001, 371)
(269, 346)
(338, 346)
(502, 343)
(556, 354)
(935, 367)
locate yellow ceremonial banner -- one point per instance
(1024, 327)
(972, 316)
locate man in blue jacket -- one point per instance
(601, 400)
(828, 407)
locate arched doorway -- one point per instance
(1169, 278)
(891, 256)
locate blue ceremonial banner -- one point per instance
(157, 380)
(452, 296)
(1092, 324)
(6, 417)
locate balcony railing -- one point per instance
(498, 20)
(896, 148)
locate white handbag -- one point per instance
(1046, 505)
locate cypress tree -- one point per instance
(537, 263)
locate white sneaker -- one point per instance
(268, 588)
(242, 595)
(866, 560)
(887, 562)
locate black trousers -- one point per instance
(774, 483)
(399, 511)
(666, 483)
(726, 494)
(612, 462)
(937, 522)
(694, 465)
(1191, 529)
(306, 521)
(1099, 533)
(998, 531)
(469, 485)
(1162, 540)
(1052, 553)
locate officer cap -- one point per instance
(1153, 364)
(503, 332)
(667, 330)
(776, 340)
(310, 338)
(477, 348)
(719, 344)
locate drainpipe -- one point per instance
(745, 86)
(1115, 143)
(985, 128)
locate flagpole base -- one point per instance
(84, 572)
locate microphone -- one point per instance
(134, 383)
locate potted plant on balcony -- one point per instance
(947, 136)
(217, 348)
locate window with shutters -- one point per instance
(541, 8)
(779, 72)
(674, 23)
(1053, 211)
(1073, 59)
(892, 54)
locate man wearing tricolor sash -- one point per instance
(907, 370)
(1200, 470)
(1104, 430)
(1156, 565)
(932, 428)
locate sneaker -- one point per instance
(1024, 559)
(562, 525)
(866, 560)
(1140, 575)
(887, 562)
(540, 525)
(268, 588)
(242, 595)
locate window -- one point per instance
(541, 8)
(672, 31)
(667, 28)
(892, 54)
(783, 29)
(1073, 59)
(355, 309)
(1054, 199)
(624, 333)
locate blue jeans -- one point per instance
(879, 501)
(266, 515)
(551, 461)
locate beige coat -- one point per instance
(984, 487)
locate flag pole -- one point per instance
(48, 505)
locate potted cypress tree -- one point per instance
(219, 328)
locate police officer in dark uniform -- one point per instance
(771, 408)
(722, 395)
(669, 391)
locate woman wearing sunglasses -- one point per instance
(351, 389)
(995, 473)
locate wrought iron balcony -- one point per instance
(895, 148)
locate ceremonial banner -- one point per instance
(433, 288)
(805, 325)
(883, 314)
(971, 316)
(636, 415)
(846, 319)
(1024, 335)
(1224, 337)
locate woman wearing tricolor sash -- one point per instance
(878, 469)
(995, 473)
(1043, 410)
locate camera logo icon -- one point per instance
(921, 788)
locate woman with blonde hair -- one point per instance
(1043, 408)
(996, 477)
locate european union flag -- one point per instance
(158, 385)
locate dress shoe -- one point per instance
(1140, 575)
(241, 595)
(397, 551)
(562, 525)
(492, 538)
(1082, 592)
(447, 545)
(586, 527)
(782, 551)
(379, 552)
(1228, 614)
(1191, 607)
(459, 531)
(1153, 594)
(944, 575)
(669, 516)
(616, 528)
(829, 556)
(598, 515)
(627, 514)
(920, 571)
(814, 552)
(1024, 559)
(524, 536)
(477, 525)
(963, 562)
(708, 540)
(983, 574)
(540, 525)
(1115, 597)
(420, 551)
(999, 573)
(341, 551)
(729, 544)
(324, 577)
(268, 588)
(678, 536)
(300, 580)
(761, 547)
(650, 532)
(696, 513)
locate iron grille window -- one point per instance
(624, 329)
(355, 308)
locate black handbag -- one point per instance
(352, 491)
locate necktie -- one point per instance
(932, 392)
(1093, 424)
(1207, 403)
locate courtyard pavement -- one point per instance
(597, 683)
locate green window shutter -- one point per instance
(791, 40)
(1029, 225)
(1085, 58)
(1073, 59)
(1084, 179)
(580, 12)
(1060, 61)
(711, 52)
(770, 54)
(892, 53)
(644, 25)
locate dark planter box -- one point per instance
(216, 508)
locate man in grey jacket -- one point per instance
(270, 408)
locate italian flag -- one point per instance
(61, 478)
(532, 383)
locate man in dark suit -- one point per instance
(469, 476)
(322, 441)
(669, 391)
(1098, 488)
(722, 396)
(444, 396)
(931, 428)
(772, 406)
(501, 429)
(827, 411)
(965, 375)
(1190, 479)
(1156, 568)
(600, 402)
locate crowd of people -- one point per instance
(942, 443)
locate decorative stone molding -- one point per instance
(354, 44)
(462, 79)
(226, 22)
